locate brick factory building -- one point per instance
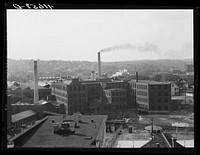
(152, 96)
(93, 96)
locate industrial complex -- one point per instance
(73, 112)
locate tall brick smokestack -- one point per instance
(99, 64)
(36, 97)
(136, 74)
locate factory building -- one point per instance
(92, 96)
(152, 96)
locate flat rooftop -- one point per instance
(45, 137)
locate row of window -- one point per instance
(143, 106)
(115, 85)
(27, 120)
(62, 99)
(141, 86)
(159, 86)
(74, 88)
(159, 100)
(142, 99)
(60, 94)
(119, 99)
(59, 86)
(142, 93)
(159, 93)
(75, 95)
(76, 108)
(159, 107)
(77, 101)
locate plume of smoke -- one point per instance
(146, 47)
(118, 47)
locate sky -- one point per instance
(120, 35)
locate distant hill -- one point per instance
(24, 68)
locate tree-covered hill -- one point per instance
(24, 68)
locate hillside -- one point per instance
(24, 68)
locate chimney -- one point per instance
(136, 74)
(173, 141)
(36, 98)
(92, 75)
(99, 65)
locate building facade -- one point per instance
(93, 96)
(152, 96)
(174, 89)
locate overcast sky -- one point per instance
(81, 34)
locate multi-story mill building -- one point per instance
(152, 96)
(93, 96)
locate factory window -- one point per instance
(75, 108)
(159, 100)
(117, 99)
(70, 88)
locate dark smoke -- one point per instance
(146, 47)
(117, 47)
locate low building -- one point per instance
(23, 118)
(90, 133)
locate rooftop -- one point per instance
(150, 82)
(45, 137)
(22, 115)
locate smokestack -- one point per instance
(136, 74)
(99, 65)
(92, 75)
(36, 97)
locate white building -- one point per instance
(174, 89)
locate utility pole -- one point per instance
(152, 127)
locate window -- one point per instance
(159, 100)
(165, 87)
(159, 93)
(159, 87)
(159, 107)
(166, 107)
(166, 93)
(152, 107)
(166, 100)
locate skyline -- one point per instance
(124, 34)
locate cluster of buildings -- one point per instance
(68, 96)
(109, 95)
